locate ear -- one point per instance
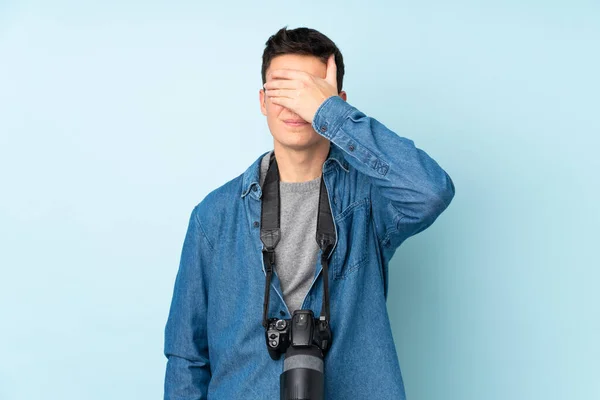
(262, 98)
(343, 95)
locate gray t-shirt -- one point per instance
(297, 251)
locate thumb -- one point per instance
(331, 76)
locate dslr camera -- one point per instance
(304, 339)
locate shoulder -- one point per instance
(217, 201)
(226, 199)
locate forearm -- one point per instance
(409, 189)
(186, 345)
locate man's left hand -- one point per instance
(300, 91)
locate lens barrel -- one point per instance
(302, 377)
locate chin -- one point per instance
(296, 145)
(296, 138)
(295, 141)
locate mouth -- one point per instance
(295, 122)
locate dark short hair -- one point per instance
(304, 41)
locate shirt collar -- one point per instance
(251, 176)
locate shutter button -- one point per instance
(281, 324)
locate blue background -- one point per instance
(117, 117)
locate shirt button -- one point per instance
(256, 224)
(323, 128)
(351, 148)
(282, 312)
(254, 188)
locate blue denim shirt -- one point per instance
(382, 189)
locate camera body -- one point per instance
(303, 330)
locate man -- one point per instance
(381, 189)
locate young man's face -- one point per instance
(286, 126)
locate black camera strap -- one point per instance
(270, 233)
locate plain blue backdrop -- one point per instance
(117, 117)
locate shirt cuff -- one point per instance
(330, 116)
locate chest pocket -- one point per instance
(351, 251)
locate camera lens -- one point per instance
(303, 374)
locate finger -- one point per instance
(291, 94)
(331, 76)
(288, 74)
(282, 101)
(283, 84)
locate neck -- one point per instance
(301, 165)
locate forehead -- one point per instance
(310, 64)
